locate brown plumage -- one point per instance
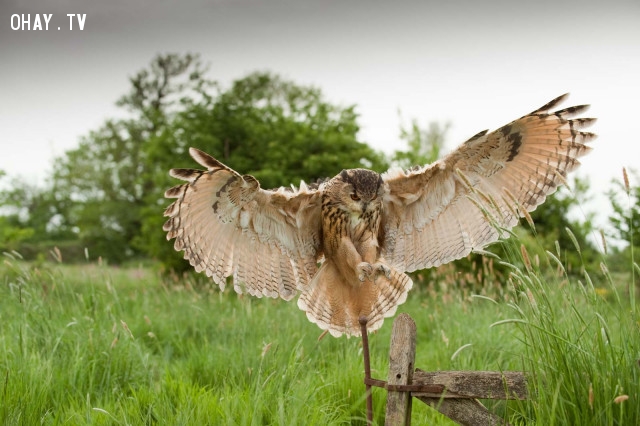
(363, 229)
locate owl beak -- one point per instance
(364, 206)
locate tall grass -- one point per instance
(581, 341)
(99, 345)
(105, 346)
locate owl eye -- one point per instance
(354, 197)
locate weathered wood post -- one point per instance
(401, 365)
(454, 393)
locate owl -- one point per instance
(345, 245)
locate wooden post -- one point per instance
(453, 393)
(401, 365)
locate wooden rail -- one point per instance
(453, 393)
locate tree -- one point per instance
(262, 125)
(280, 132)
(105, 180)
(553, 223)
(424, 145)
(29, 216)
(625, 219)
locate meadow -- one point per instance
(100, 345)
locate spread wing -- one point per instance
(441, 212)
(268, 241)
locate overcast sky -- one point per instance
(477, 64)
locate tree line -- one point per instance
(104, 198)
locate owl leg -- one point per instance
(362, 262)
(350, 262)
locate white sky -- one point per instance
(477, 64)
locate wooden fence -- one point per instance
(453, 393)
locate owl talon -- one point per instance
(385, 270)
(364, 271)
(381, 268)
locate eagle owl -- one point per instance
(345, 244)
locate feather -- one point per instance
(527, 159)
(228, 226)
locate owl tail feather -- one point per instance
(335, 303)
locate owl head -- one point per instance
(358, 190)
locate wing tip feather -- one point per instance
(552, 103)
(205, 159)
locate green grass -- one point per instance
(582, 344)
(100, 345)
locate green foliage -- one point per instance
(625, 220)
(424, 146)
(110, 189)
(29, 215)
(554, 227)
(102, 185)
(12, 233)
(277, 131)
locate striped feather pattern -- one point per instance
(443, 211)
(228, 227)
